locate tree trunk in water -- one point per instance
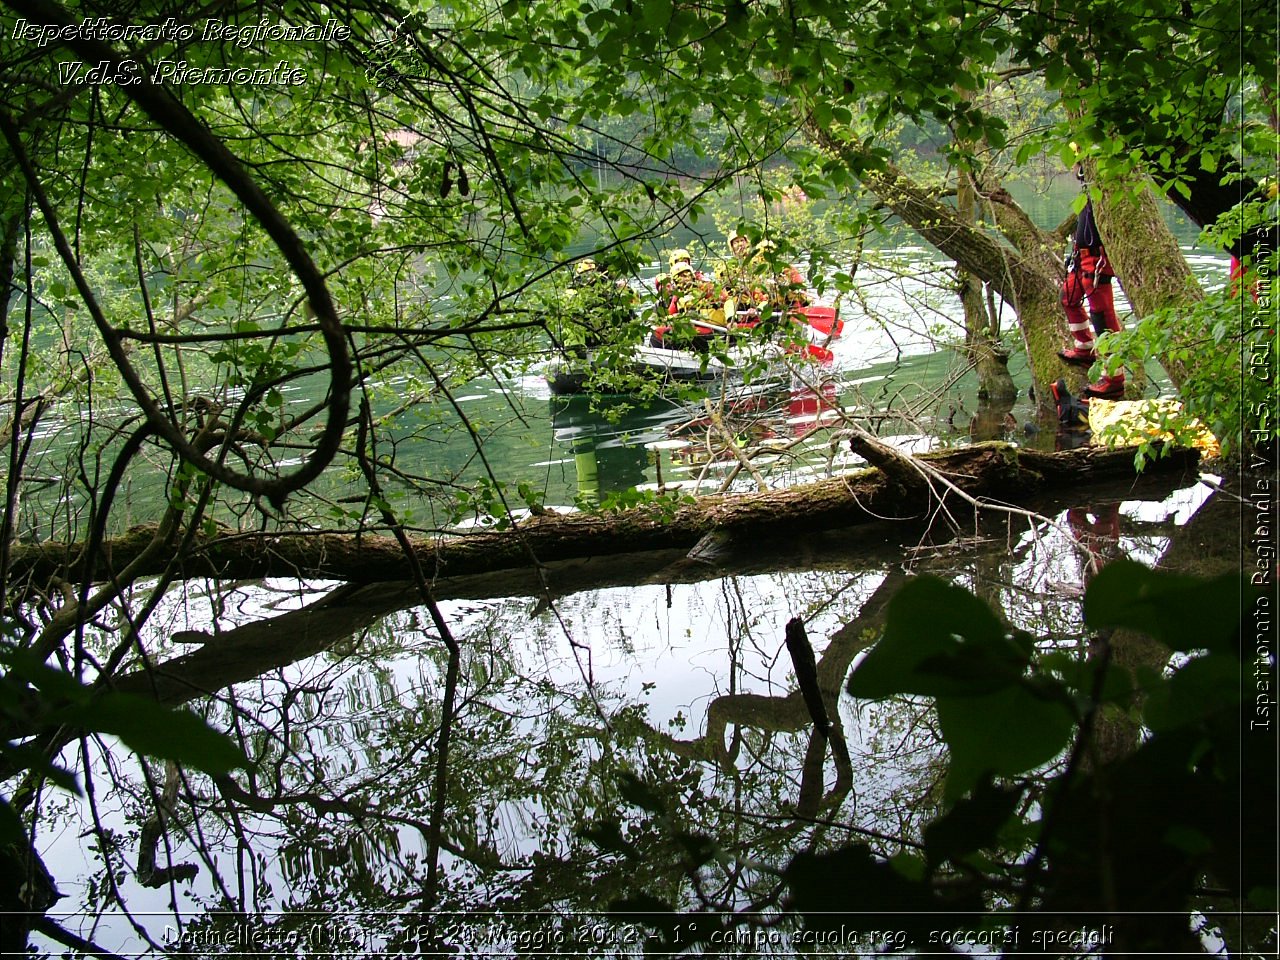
(981, 326)
(1028, 278)
(982, 344)
(1142, 249)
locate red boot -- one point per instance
(1083, 358)
(1108, 388)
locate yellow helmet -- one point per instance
(584, 266)
(680, 255)
(681, 266)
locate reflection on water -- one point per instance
(608, 439)
(675, 676)
(784, 432)
(678, 680)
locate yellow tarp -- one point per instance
(1130, 422)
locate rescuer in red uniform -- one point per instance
(1089, 277)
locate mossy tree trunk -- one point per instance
(981, 325)
(982, 343)
(1027, 271)
(1146, 258)
(1026, 275)
(900, 486)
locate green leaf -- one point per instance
(909, 865)
(11, 829)
(1189, 840)
(636, 791)
(52, 684)
(699, 849)
(1197, 691)
(156, 730)
(851, 888)
(1004, 733)
(1184, 613)
(607, 836)
(1081, 677)
(972, 824)
(650, 911)
(656, 13)
(939, 640)
(28, 756)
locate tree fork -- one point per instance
(1028, 278)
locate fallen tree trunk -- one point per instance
(896, 489)
(240, 653)
(243, 652)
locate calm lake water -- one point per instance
(678, 675)
(888, 373)
(675, 674)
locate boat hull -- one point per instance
(708, 353)
(678, 366)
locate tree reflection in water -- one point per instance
(601, 737)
